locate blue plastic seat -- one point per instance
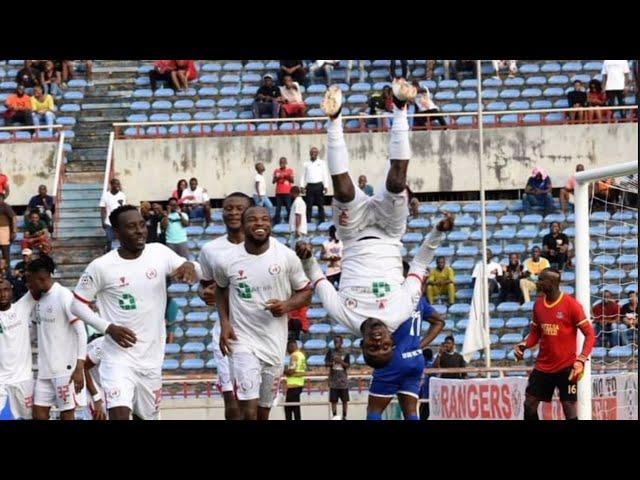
(510, 93)
(193, 347)
(444, 95)
(315, 344)
(164, 92)
(315, 361)
(451, 108)
(458, 236)
(451, 208)
(193, 364)
(320, 328)
(504, 234)
(517, 322)
(445, 251)
(170, 364)
(196, 332)
(178, 288)
(340, 329)
(519, 105)
(422, 223)
(558, 80)
(508, 307)
(463, 264)
(464, 294)
(509, 338)
(496, 106)
(314, 313)
(628, 259)
(621, 351)
(171, 348)
(572, 67)
(427, 208)
(412, 237)
(466, 95)
(197, 317)
(459, 309)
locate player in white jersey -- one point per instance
(62, 344)
(233, 207)
(259, 277)
(16, 372)
(95, 393)
(130, 285)
(372, 284)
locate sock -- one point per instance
(374, 416)
(412, 417)
(399, 146)
(337, 155)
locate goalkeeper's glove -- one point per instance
(577, 371)
(519, 350)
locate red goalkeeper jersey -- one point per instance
(557, 326)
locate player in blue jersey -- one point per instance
(402, 376)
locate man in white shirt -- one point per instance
(263, 281)
(233, 207)
(62, 344)
(16, 375)
(374, 298)
(197, 201)
(260, 196)
(130, 286)
(493, 270)
(314, 183)
(298, 218)
(615, 75)
(111, 199)
(293, 105)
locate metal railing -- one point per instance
(35, 137)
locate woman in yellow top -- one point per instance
(42, 107)
(295, 379)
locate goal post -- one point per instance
(582, 243)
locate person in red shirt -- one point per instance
(556, 320)
(283, 178)
(606, 316)
(4, 185)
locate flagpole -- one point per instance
(483, 222)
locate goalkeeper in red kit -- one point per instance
(556, 320)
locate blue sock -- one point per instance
(412, 417)
(374, 416)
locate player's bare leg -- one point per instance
(409, 406)
(531, 408)
(337, 157)
(263, 413)
(41, 413)
(231, 408)
(249, 409)
(570, 410)
(119, 413)
(376, 405)
(68, 415)
(399, 147)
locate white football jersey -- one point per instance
(15, 342)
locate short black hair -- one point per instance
(427, 353)
(449, 337)
(241, 195)
(295, 189)
(193, 178)
(170, 199)
(113, 217)
(45, 263)
(440, 257)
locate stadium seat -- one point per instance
(467, 251)
(422, 223)
(459, 309)
(627, 259)
(426, 208)
(170, 364)
(340, 329)
(504, 234)
(193, 364)
(315, 313)
(458, 236)
(621, 351)
(506, 307)
(171, 348)
(509, 338)
(320, 328)
(463, 264)
(517, 322)
(450, 208)
(197, 317)
(465, 221)
(315, 344)
(316, 361)
(193, 347)
(445, 251)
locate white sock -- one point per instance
(399, 146)
(337, 155)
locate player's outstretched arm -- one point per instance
(420, 263)
(121, 335)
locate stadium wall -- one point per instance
(442, 160)
(28, 165)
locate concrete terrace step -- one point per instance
(117, 68)
(82, 186)
(80, 195)
(80, 203)
(105, 106)
(74, 213)
(79, 232)
(81, 154)
(79, 222)
(86, 167)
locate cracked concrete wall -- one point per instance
(442, 161)
(28, 165)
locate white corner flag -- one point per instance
(475, 336)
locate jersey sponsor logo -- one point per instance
(275, 269)
(380, 289)
(551, 329)
(151, 273)
(123, 282)
(241, 275)
(560, 315)
(127, 302)
(244, 290)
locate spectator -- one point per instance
(465, 68)
(88, 69)
(596, 98)
(42, 108)
(380, 104)
(607, 322)
(566, 194)
(196, 200)
(175, 225)
(556, 247)
(510, 281)
(267, 99)
(424, 104)
(297, 218)
(16, 277)
(324, 66)
(36, 234)
(111, 199)
(64, 68)
(27, 257)
(7, 227)
(511, 65)
(615, 74)
(332, 252)
(162, 72)
(28, 76)
(293, 68)
(180, 187)
(532, 269)
(185, 72)
(4, 185)
(449, 68)
(537, 192)
(295, 380)
(608, 194)
(360, 68)
(45, 204)
(338, 361)
(293, 105)
(314, 182)
(449, 358)
(493, 271)
(364, 186)
(629, 316)
(424, 384)
(153, 216)
(18, 106)
(283, 178)
(298, 322)
(50, 80)
(577, 98)
(392, 69)
(441, 282)
(414, 207)
(260, 196)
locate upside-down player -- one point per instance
(373, 297)
(557, 317)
